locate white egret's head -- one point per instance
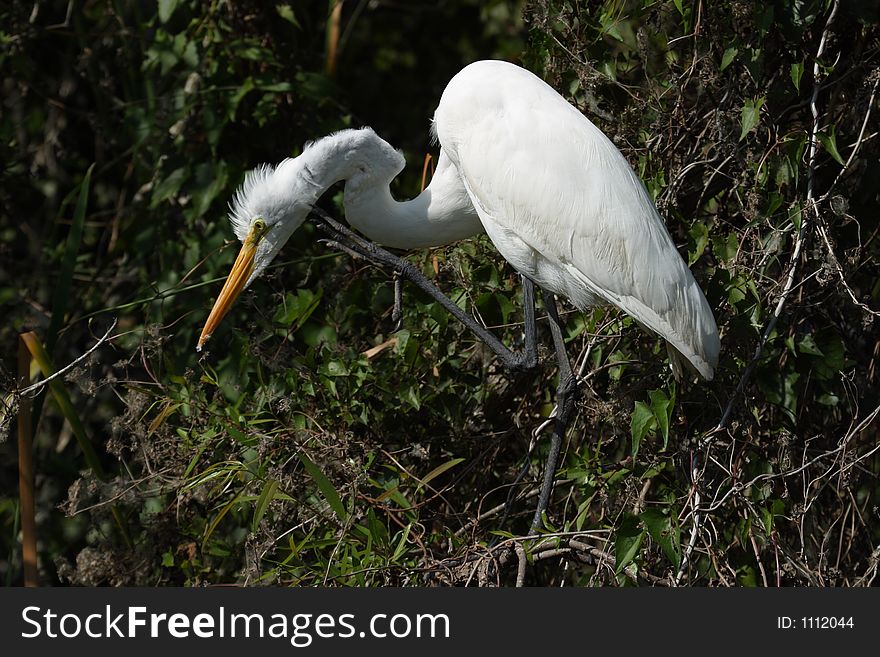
(264, 213)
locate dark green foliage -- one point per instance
(712, 104)
(312, 444)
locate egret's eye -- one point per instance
(258, 231)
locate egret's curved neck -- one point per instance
(441, 214)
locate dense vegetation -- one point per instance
(316, 444)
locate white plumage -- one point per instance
(552, 192)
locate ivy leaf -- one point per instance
(728, 57)
(829, 142)
(808, 346)
(751, 114)
(664, 529)
(297, 308)
(797, 71)
(628, 542)
(726, 249)
(661, 407)
(642, 421)
(699, 233)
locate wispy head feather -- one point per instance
(251, 196)
(239, 215)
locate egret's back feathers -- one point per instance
(564, 207)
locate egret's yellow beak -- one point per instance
(241, 272)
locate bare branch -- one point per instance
(37, 386)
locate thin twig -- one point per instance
(37, 386)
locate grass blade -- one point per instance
(266, 496)
(61, 297)
(216, 521)
(327, 490)
(439, 470)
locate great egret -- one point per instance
(555, 196)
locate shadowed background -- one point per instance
(313, 444)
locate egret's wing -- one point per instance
(563, 206)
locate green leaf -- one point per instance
(411, 396)
(276, 87)
(699, 233)
(725, 249)
(833, 359)
(234, 100)
(194, 460)
(167, 187)
(506, 307)
(728, 57)
(808, 345)
(829, 142)
(751, 114)
(327, 490)
(334, 368)
(61, 297)
(212, 179)
(661, 407)
(241, 437)
(627, 543)
(610, 27)
(166, 8)
(797, 72)
(735, 295)
(216, 521)
(774, 203)
(796, 215)
(266, 496)
(286, 12)
(766, 519)
(663, 528)
(297, 308)
(439, 470)
(642, 421)
(402, 543)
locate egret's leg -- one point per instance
(558, 341)
(565, 405)
(397, 312)
(529, 356)
(528, 359)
